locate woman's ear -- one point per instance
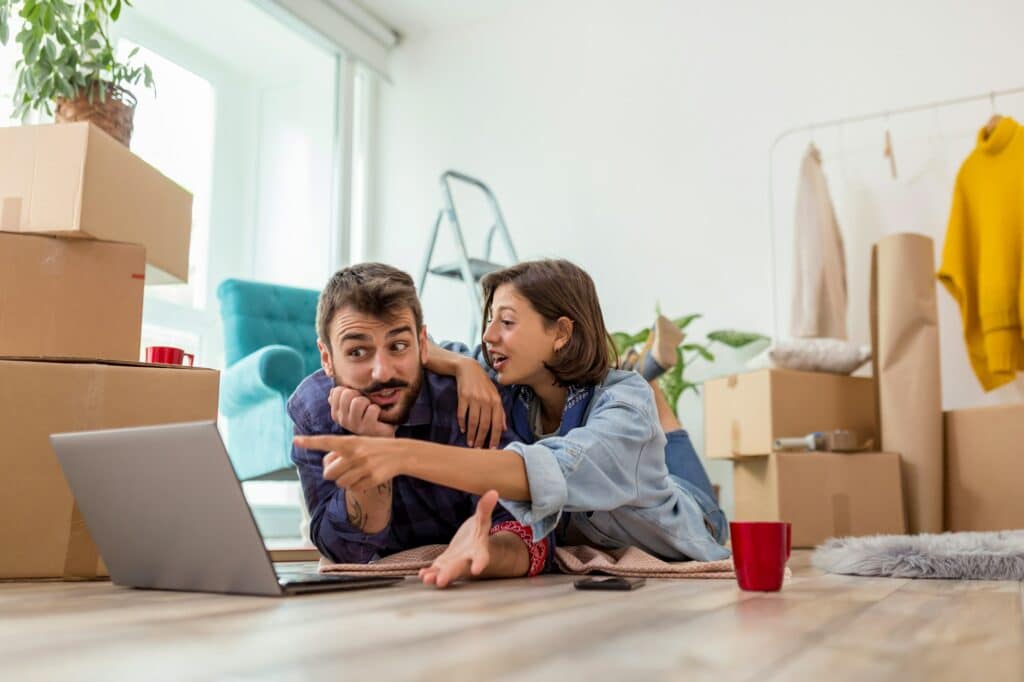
(563, 332)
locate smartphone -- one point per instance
(612, 583)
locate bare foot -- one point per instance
(467, 554)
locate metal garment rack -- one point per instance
(839, 122)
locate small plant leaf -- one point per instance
(735, 339)
(700, 350)
(684, 322)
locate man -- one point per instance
(373, 349)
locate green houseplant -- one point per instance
(68, 67)
(673, 382)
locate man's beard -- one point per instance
(398, 413)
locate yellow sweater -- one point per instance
(981, 259)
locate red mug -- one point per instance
(760, 550)
(168, 355)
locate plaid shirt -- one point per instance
(422, 513)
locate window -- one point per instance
(249, 127)
(175, 134)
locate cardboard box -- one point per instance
(822, 494)
(70, 297)
(42, 535)
(985, 468)
(745, 413)
(74, 180)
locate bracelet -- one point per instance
(538, 551)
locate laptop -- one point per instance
(167, 512)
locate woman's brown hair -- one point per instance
(558, 288)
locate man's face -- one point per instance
(382, 358)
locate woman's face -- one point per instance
(519, 339)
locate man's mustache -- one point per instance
(394, 383)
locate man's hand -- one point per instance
(357, 414)
(357, 462)
(480, 408)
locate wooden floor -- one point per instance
(819, 627)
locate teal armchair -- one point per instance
(270, 346)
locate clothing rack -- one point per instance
(839, 122)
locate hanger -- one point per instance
(814, 152)
(990, 127)
(888, 151)
(812, 149)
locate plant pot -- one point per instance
(114, 113)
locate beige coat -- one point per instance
(819, 265)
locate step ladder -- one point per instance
(466, 268)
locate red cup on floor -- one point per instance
(760, 550)
(168, 355)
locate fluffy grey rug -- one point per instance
(964, 556)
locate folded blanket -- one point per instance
(576, 560)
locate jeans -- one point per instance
(685, 467)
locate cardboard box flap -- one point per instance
(94, 361)
(42, 191)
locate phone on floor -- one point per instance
(613, 583)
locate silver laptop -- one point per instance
(167, 512)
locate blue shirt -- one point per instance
(609, 474)
(422, 513)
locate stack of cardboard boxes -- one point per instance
(822, 494)
(84, 225)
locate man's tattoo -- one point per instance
(355, 514)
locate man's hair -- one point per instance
(374, 289)
(558, 288)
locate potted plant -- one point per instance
(672, 382)
(68, 67)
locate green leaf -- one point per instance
(621, 339)
(700, 350)
(116, 12)
(684, 322)
(32, 50)
(735, 339)
(639, 337)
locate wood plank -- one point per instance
(819, 625)
(925, 630)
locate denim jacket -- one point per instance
(610, 474)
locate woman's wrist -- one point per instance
(461, 365)
(445, 362)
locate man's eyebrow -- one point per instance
(400, 330)
(355, 336)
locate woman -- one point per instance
(590, 440)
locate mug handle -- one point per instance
(191, 363)
(789, 539)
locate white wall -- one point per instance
(633, 137)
